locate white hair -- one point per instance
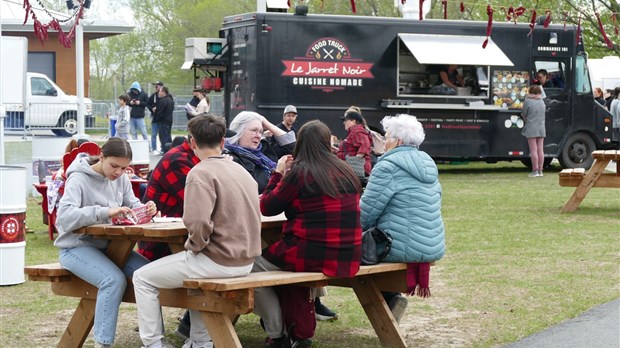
(239, 123)
(405, 127)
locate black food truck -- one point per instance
(323, 64)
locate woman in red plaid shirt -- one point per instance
(358, 141)
(320, 196)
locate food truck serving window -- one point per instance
(454, 49)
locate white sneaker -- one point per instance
(191, 344)
(162, 343)
(533, 174)
(540, 173)
(157, 153)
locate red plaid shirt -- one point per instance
(359, 141)
(166, 189)
(321, 233)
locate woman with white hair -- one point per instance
(403, 198)
(258, 155)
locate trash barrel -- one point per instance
(12, 224)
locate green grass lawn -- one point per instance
(514, 266)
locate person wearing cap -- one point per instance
(137, 101)
(203, 105)
(152, 106)
(358, 141)
(289, 116)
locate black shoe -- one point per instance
(182, 330)
(302, 344)
(321, 312)
(281, 342)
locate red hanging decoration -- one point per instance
(288, 3)
(615, 24)
(578, 33)
(420, 11)
(532, 23)
(462, 7)
(41, 30)
(322, 4)
(403, 1)
(489, 25)
(548, 19)
(353, 6)
(608, 42)
(445, 8)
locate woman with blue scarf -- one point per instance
(256, 154)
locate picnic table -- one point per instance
(220, 300)
(595, 177)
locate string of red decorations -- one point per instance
(41, 30)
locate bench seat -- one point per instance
(573, 177)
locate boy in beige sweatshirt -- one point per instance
(223, 221)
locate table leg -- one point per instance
(377, 311)
(118, 251)
(80, 325)
(221, 329)
(586, 184)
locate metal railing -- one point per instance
(61, 118)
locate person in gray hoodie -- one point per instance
(96, 190)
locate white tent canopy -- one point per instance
(605, 73)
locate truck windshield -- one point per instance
(582, 80)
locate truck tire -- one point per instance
(67, 125)
(577, 151)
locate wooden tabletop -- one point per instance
(606, 155)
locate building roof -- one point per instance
(12, 18)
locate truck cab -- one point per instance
(50, 107)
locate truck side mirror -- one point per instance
(52, 92)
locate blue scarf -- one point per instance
(255, 156)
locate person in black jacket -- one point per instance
(258, 155)
(152, 106)
(163, 117)
(137, 101)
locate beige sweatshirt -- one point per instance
(222, 212)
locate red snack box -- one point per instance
(140, 216)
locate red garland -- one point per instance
(578, 33)
(353, 6)
(40, 30)
(608, 42)
(532, 23)
(613, 20)
(403, 1)
(489, 25)
(445, 8)
(462, 7)
(420, 10)
(548, 19)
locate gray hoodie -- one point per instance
(88, 197)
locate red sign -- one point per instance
(327, 65)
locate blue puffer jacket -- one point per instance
(403, 197)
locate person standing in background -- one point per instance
(152, 106)
(203, 105)
(122, 122)
(598, 96)
(137, 101)
(534, 130)
(288, 119)
(614, 108)
(163, 116)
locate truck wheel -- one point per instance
(577, 151)
(67, 125)
(528, 162)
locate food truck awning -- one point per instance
(454, 49)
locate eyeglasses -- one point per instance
(255, 131)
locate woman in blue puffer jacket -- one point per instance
(403, 198)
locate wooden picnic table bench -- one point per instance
(219, 299)
(595, 177)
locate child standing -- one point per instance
(122, 123)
